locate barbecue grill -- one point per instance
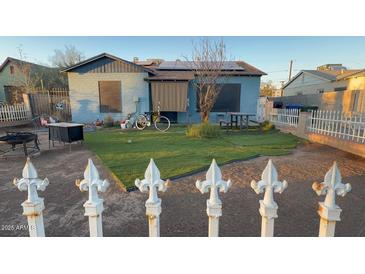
(24, 139)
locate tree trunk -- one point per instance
(204, 116)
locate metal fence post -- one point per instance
(34, 205)
(268, 207)
(328, 211)
(152, 182)
(215, 183)
(94, 205)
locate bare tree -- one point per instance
(27, 77)
(67, 57)
(207, 62)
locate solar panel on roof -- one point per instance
(186, 65)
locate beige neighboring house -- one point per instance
(330, 77)
(329, 87)
(277, 92)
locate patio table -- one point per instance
(241, 116)
(65, 132)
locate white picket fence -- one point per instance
(13, 113)
(339, 125)
(287, 117)
(329, 212)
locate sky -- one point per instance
(271, 54)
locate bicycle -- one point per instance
(141, 121)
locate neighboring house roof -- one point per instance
(145, 63)
(39, 75)
(100, 56)
(328, 75)
(11, 59)
(351, 73)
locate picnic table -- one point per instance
(238, 118)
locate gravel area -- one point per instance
(183, 207)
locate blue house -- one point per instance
(108, 85)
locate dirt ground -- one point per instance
(183, 207)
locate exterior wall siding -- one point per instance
(250, 90)
(84, 94)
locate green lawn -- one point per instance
(175, 154)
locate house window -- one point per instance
(11, 69)
(340, 88)
(355, 101)
(321, 90)
(228, 99)
(110, 96)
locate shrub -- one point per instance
(108, 121)
(266, 126)
(203, 130)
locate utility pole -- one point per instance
(290, 69)
(282, 82)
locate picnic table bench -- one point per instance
(237, 119)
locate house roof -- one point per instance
(180, 70)
(249, 69)
(171, 76)
(103, 55)
(176, 70)
(189, 65)
(11, 59)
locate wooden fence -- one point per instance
(329, 212)
(288, 117)
(14, 115)
(339, 125)
(55, 103)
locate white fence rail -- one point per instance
(13, 113)
(328, 211)
(339, 125)
(288, 117)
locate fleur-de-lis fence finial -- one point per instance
(33, 207)
(268, 207)
(328, 210)
(94, 205)
(214, 182)
(152, 182)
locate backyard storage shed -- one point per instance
(107, 85)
